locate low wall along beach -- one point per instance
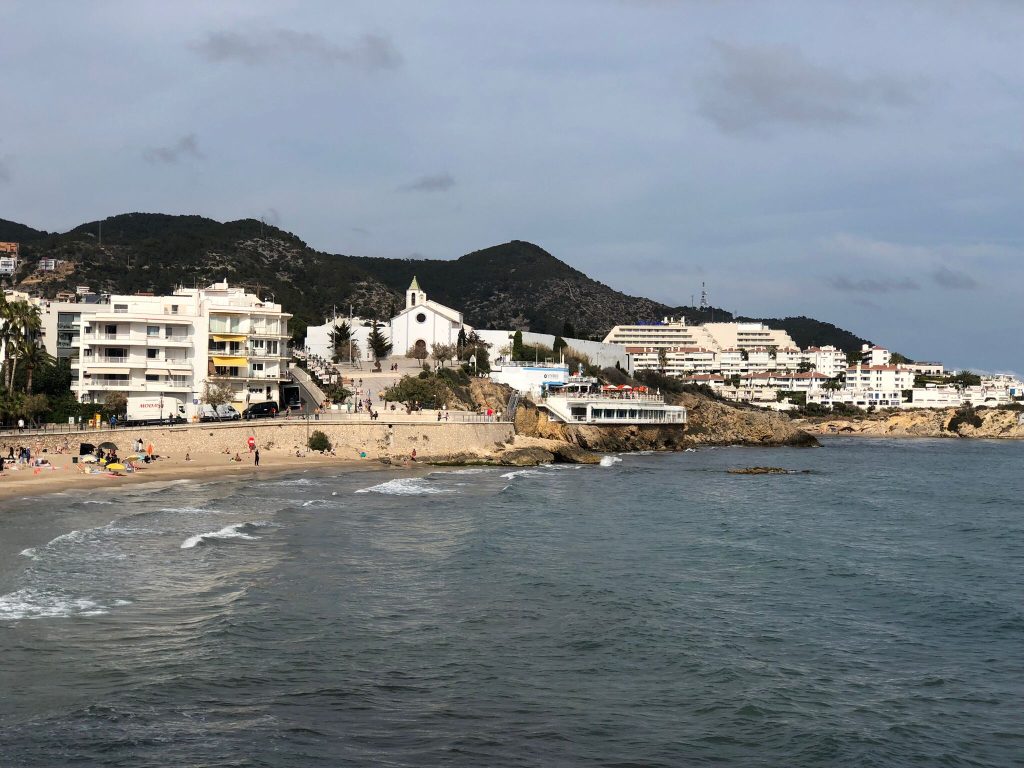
(273, 438)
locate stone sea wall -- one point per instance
(430, 440)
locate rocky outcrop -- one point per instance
(710, 423)
(715, 423)
(948, 422)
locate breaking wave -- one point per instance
(236, 531)
(35, 604)
(404, 486)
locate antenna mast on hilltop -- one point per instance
(703, 298)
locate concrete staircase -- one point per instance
(308, 388)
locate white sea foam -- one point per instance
(30, 552)
(404, 486)
(96, 501)
(521, 473)
(66, 537)
(610, 461)
(190, 510)
(33, 604)
(227, 532)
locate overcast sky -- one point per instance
(858, 162)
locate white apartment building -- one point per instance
(670, 332)
(679, 361)
(172, 345)
(875, 355)
(926, 369)
(8, 265)
(827, 360)
(879, 377)
(935, 397)
(748, 336)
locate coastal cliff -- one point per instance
(710, 423)
(947, 422)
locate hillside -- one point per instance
(513, 284)
(13, 232)
(518, 279)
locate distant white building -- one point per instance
(875, 356)
(530, 378)
(8, 265)
(600, 354)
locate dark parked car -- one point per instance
(261, 410)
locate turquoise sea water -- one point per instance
(653, 612)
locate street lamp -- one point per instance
(472, 359)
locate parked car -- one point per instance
(225, 412)
(261, 410)
(228, 412)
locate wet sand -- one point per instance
(17, 482)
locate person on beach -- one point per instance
(256, 457)
(413, 454)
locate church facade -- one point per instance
(424, 323)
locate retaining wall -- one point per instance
(431, 440)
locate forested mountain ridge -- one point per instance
(515, 284)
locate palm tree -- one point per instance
(35, 357)
(21, 327)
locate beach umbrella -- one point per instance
(88, 459)
(108, 446)
(115, 466)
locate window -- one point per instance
(110, 330)
(152, 377)
(421, 318)
(152, 330)
(120, 307)
(152, 354)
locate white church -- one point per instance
(420, 325)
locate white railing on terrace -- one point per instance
(617, 397)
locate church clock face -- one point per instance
(421, 318)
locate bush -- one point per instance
(429, 391)
(318, 441)
(965, 415)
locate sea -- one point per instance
(865, 609)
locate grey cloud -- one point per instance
(953, 279)
(183, 148)
(438, 182)
(759, 86)
(271, 216)
(5, 171)
(368, 52)
(360, 230)
(872, 285)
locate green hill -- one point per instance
(513, 284)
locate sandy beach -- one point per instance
(18, 482)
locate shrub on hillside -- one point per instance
(965, 415)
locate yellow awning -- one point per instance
(230, 362)
(229, 337)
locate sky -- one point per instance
(857, 162)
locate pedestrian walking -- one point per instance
(256, 457)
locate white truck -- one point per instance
(155, 410)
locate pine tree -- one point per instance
(517, 346)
